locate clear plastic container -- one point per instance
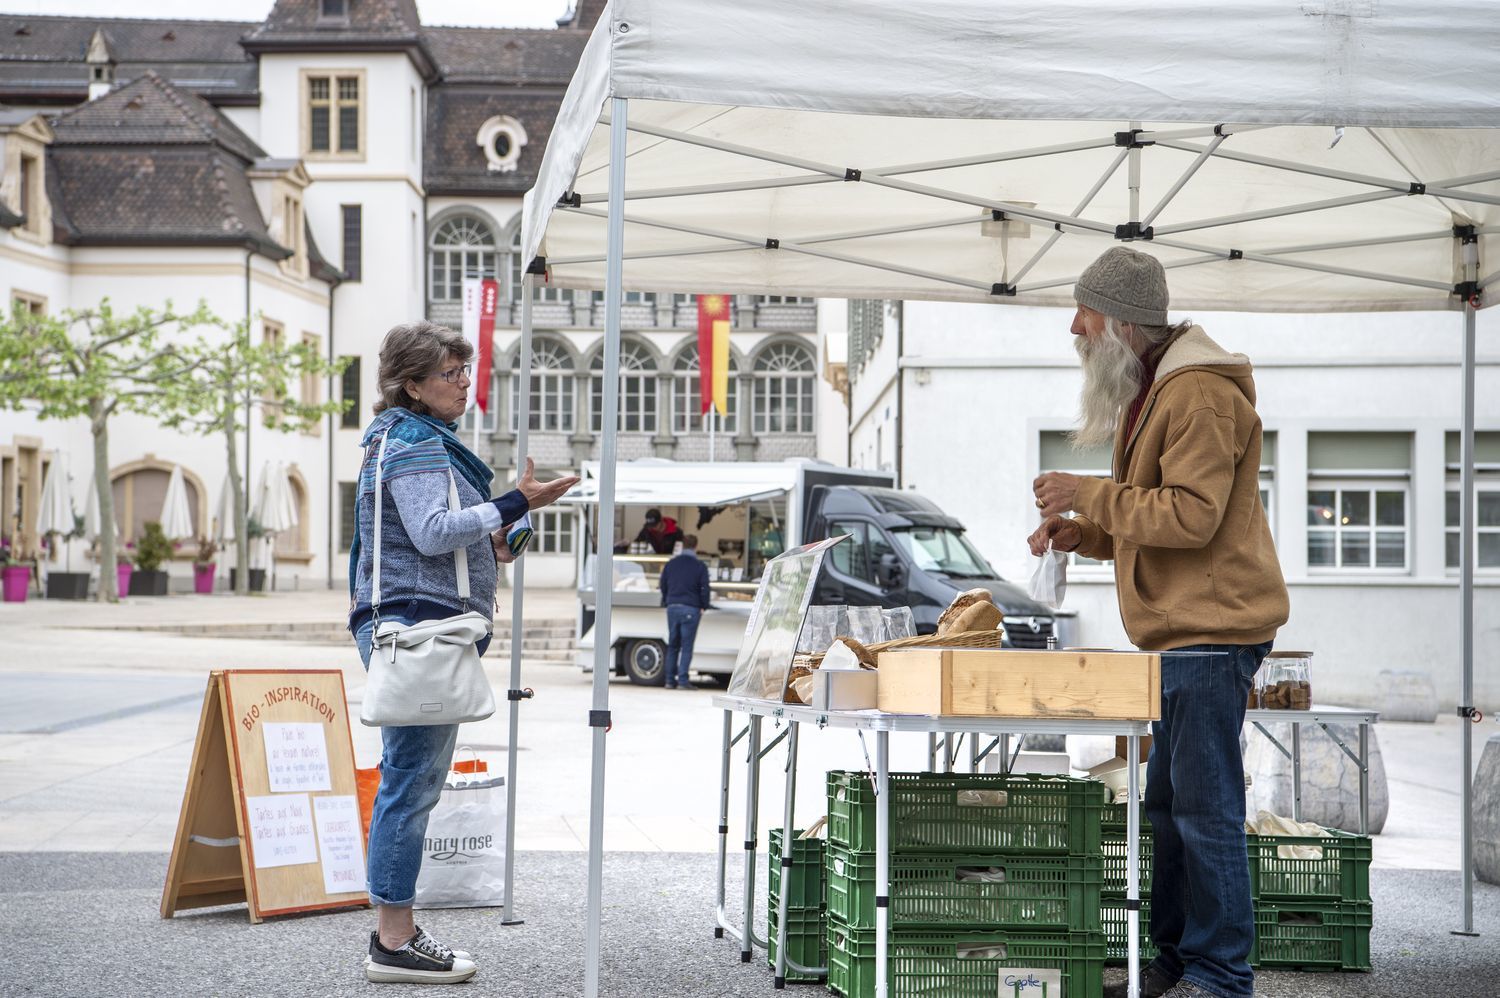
(899, 623)
(1288, 681)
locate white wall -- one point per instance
(998, 376)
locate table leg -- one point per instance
(1133, 865)
(723, 822)
(948, 753)
(882, 860)
(932, 751)
(1005, 754)
(1364, 779)
(752, 800)
(1296, 771)
(973, 752)
(779, 980)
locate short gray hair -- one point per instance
(413, 351)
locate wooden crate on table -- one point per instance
(985, 682)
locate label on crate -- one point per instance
(1022, 982)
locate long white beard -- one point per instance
(1111, 380)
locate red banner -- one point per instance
(488, 297)
(713, 351)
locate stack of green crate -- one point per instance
(1114, 913)
(1312, 900)
(986, 872)
(806, 906)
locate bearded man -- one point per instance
(1196, 573)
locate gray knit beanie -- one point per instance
(1124, 283)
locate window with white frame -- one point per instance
(687, 397)
(515, 269)
(1358, 501)
(1486, 502)
(554, 531)
(1057, 453)
(335, 116)
(461, 246)
(784, 381)
(551, 388)
(637, 390)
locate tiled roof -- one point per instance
(150, 111)
(366, 17)
(501, 55)
(42, 57)
(454, 163)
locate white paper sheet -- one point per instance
(281, 830)
(341, 844)
(296, 757)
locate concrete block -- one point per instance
(1406, 696)
(1330, 779)
(1487, 813)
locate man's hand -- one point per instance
(1055, 491)
(1061, 531)
(503, 555)
(539, 494)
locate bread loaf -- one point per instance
(981, 616)
(960, 603)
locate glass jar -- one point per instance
(1288, 681)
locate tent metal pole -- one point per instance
(1403, 186)
(1295, 209)
(1466, 552)
(769, 183)
(1356, 243)
(1489, 279)
(604, 575)
(1078, 210)
(1176, 264)
(1318, 267)
(1035, 152)
(1454, 195)
(1182, 180)
(517, 615)
(1134, 181)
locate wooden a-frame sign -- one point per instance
(242, 797)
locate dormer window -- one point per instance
(333, 10)
(502, 138)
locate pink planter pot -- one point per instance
(203, 579)
(17, 580)
(122, 578)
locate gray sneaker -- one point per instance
(422, 960)
(1154, 984)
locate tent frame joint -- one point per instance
(1470, 712)
(537, 266)
(1235, 254)
(1417, 188)
(1131, 231)
(852, 175)
(1003, 290)
(600, 719)
(773, 244)
(570, 200)
(1466, 233)
(517, 695)
(1132, 139)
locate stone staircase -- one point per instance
(547, 640)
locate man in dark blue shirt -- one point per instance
(685, 594)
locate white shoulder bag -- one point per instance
(427, 672)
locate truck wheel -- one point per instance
(645, 662)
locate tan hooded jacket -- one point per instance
(1181, 518)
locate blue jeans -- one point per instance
(1202, 919)
(682, 631)
(414, 762)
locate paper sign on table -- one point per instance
(338, 836)
(1016, 982)
(281, 830)
(296, 758)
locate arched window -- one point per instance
(462, 245)
(551, 388)
(784, 376)
(515, 268)
(294, 540)
(687, 400)
(637, 390)
(140, 493)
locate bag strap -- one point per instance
(460, 555)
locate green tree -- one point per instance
(95, 363)
(228, 373)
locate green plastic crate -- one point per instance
(807, 890)
(806, 942)
(1113, 843)
(1312, 936)
(928, 963)
(1341, 874)
(1052, 892)
(1115, 926)
(940, 812)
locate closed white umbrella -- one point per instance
(57, 502)
(224, 513)
(274, 509)
(176, 517)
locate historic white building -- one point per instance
(1361, 414)
(329, 173)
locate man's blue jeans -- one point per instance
(1202, 919)
(414, 762)
(682, 631)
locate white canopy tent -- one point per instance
(1332, 155)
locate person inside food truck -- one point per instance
(661, 532)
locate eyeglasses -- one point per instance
(453, 374)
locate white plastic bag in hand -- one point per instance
(1049, 583)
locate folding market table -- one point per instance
(1322, 717)
(882, 725)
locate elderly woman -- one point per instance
(423, 384)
